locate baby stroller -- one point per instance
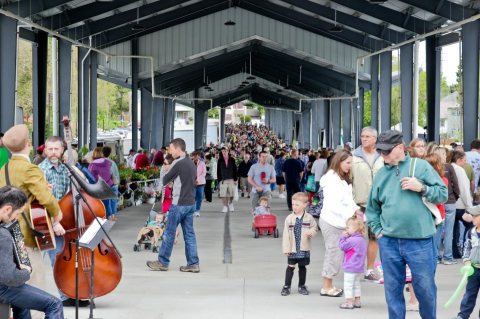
(150, 234)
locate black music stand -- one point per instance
(90, 240)
(99, 190)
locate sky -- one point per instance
(450, 60)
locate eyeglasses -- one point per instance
(420, 146)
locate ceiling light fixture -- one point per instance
(229, 22)
(336, 28)
(137, 26)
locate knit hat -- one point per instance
(16, 138)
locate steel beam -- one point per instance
(312, 24)
(406, 85)
(451, 11)
(349, 20)
(8, 57)
(222, 125)
(327, 107)
(28, 8)
(391, 16)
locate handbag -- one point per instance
(431, 207)
(235, 195)
(310, 187)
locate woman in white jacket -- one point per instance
(338, 206)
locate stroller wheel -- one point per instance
(256, 233)
(148, 246)
(155, 249)
(275, 233)
(136, 247)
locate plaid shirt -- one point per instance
(57, 176)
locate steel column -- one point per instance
(93, 100)
(168, 120)
(146, 119)
(433, 88)
(386, 90)
(470, 46)
(336, 122)
(406, 85)
(314, 125)
(199, 127)
(64, 79)
(81, 53)
(327, 120)
(134, 63)
(158, 115)
(346, 106)
(374, 96)
(39, 86)
(222, 125)
(8, 56)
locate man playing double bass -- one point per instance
(30, 179)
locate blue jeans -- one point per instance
(179, 215)
(199, 189)
(419, 255)
(437, 239)
(52, 254)
(448, 231)
(27, 297)
(114, 201)
(470, 297)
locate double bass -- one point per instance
(106, 265)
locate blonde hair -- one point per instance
(301, 197)
(358, 224)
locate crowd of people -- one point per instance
(413, 205)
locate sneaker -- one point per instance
(449, 262)
(224, 209)
(190, 268)
(196, 214)
(230, 207)
(243, 195)
(412, 306)
(347, 305)
(282, 196)
(156, 265)
(357, 304)
(372, 276)
(303, 290)
(285, 291)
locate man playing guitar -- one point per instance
(30, 179)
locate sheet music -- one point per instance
(91, 232)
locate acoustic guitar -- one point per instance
(42, 227)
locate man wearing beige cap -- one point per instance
(21, 173)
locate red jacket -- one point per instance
(141, 161)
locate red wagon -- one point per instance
(265, 225)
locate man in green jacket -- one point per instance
(404, 226)
(4, 154)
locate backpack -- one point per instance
(315, 208)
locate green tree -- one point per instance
(213, 113)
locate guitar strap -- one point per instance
(32, 230)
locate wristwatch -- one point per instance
(424, 189)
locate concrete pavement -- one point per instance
(247, 288)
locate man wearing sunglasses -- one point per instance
(404, 226)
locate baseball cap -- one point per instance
(389, 139)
